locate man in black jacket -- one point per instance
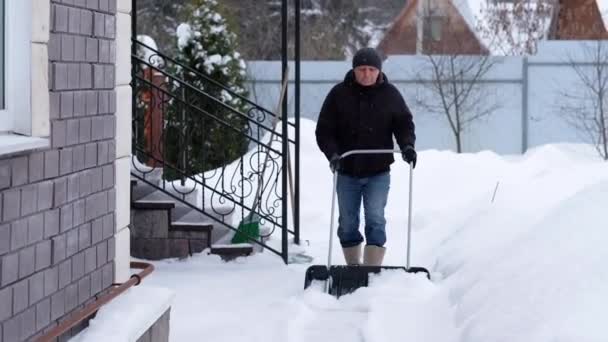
(364, 112)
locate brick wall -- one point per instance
(57, 215)
(159, 331)
(456, 36)
(581, 20)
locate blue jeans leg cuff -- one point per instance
(347, 244)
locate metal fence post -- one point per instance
(524, 106)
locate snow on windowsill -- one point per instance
(127, 317)
(12, 143)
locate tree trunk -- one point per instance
(458, 143)
(603, 121)
(604, 137)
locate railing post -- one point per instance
(154, 117)
(133, 81)
(284, 134)
(183, 138)
(296, 195)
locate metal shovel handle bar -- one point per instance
(369, 151)
(334, 192)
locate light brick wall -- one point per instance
(159, 331)
(57, 225)
(123, 140)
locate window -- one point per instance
(432, 20)
(2, 55)
(15, 66)
(433, 26)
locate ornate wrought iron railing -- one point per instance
(191, 142)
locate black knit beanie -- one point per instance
(367, 56)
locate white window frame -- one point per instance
(16, 117)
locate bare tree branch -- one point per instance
(584, 108)
(456, 88)
(515, 27)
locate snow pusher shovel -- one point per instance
(343, 279)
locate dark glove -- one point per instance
(334, 163)
(409, 155)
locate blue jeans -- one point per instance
(374, 192)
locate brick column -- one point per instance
(123, 139)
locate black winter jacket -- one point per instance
(358, 117)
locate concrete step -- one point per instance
(140, 190)
(163, 227)
(153, 205)
(184, 215)
(230, 252)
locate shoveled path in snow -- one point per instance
(260, 299)
(396, 306)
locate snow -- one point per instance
(209, 28)
(603, 7)
(469, 9)
(217, 29)
(226, 97)
(148, 55)
(140, 167)
(311, 12)
(138, 307)
(373, 31)
(214, 59)
(516, 245)
(147, 40)
(233, 245)
(184, 34)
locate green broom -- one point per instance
(249, 227)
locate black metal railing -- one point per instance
(206, 145)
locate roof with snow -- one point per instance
(469, 10)
(603, 7)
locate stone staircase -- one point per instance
(163, 227)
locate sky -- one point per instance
(516, 246)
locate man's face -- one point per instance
(366, 75)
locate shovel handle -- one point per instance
(372, 151)
(333, 201)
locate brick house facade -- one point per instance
(577, 20)
(64, 184)
(443, 31)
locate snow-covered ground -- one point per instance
(517, 246)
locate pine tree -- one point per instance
(203, 141)
(159, 19)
